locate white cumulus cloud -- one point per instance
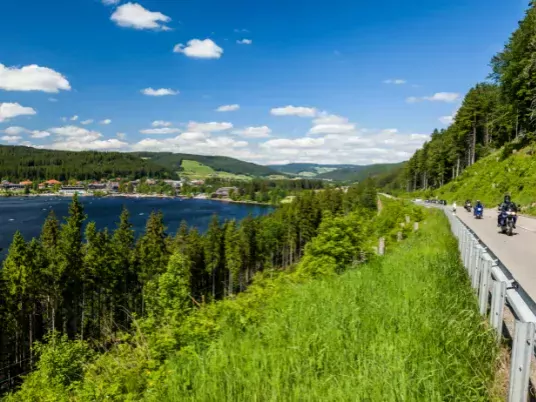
(294, 111)
(74, 118)
(396, 81)
(254, 132)
(448, 97)
(200, 49)
(11, 138)
(158, 92)
(133, 15)
(32, 78)
(11, 110)
(446, 120)
(15, 130)
(86, 122)
(161, 123)
(244, 42)
(121, 136)
(209, 127)
(228, 108)
(105, 121)
(162, 130)
(298, 143)
(39, 134)
(110, 2)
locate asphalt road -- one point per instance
(517, 253)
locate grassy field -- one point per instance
(196, 170)
(400, 328)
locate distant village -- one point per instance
(114, 187)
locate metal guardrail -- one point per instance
(496, 290)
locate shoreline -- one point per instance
(181, 197)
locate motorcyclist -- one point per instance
(506, 205)
(478, 205)
(467, 205)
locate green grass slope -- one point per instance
(401, 328)
(218, 163)
(196, 170)
(493, 176)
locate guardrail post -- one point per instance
(381, 246)
(415, 226)
(485, 280)
(468, 253)
(520, 363)
(477, 268)
(399, 236)
(498, 296)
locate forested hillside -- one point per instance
(19, 163)
(496, 113)
(170, 317)
(99, 291)
(219, 163)
(493, 176)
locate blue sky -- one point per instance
(367, 81)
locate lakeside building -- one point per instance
(113, 186)
(174, 183)
(225, 191)
(26, 183)
(11, 186)
(97, 186)
(71, 190)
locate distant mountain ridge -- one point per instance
(341, 172)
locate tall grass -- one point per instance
(401, 328)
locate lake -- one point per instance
(27, 214)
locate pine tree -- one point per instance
(122, 263)
(152, 251)
(52, 272)
(233, 261)
(174, 286)
(70, 261)
(213, 252)
(181, 237)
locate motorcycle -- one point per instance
(467, 206)
(479, 212)
(506, 222)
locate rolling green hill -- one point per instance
(218, 163)
(20, 163)
(196, 170)
(342, 172)
(307, 169)
(359, 173)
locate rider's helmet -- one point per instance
(507, 198)
(478, 201)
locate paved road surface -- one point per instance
(517, 253)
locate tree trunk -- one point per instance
(473, 142)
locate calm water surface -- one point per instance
(28, 214)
